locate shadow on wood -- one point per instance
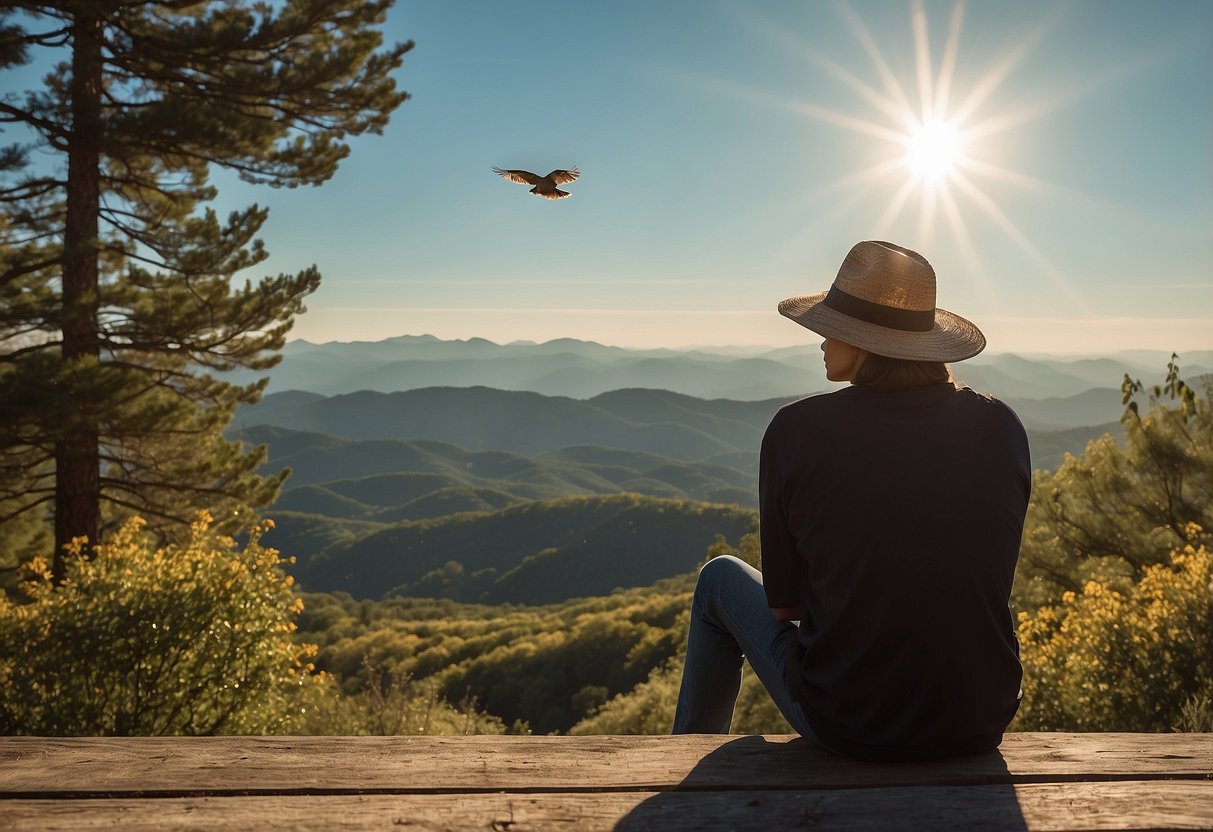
(714, 795)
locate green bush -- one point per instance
(139, 640)
(1137, 659)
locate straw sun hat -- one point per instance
(883, 301)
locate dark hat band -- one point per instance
(907, 320)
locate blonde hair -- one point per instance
(879, 372)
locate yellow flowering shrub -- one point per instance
(138, 640)
(1123, 658)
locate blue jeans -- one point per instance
(730, 621)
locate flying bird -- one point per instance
(545, 186)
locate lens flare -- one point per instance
(932, 134)
(933, 150)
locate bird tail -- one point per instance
(555, 193)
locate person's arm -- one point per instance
(780, 561)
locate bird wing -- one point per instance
(564, 177)
(521, 177)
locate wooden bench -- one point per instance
(512, 784)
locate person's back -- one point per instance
(891, 515)
(892, 518)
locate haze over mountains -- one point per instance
(583, 369)
(484, 472)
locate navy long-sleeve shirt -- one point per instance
(892, 520)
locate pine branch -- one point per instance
(17, 272)
(30, 189)
(11, 357)
(13, 514)
(14, 115)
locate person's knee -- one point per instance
(717, 572)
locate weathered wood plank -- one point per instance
(1020, 808)
(174, 765)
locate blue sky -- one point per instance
(732, 152)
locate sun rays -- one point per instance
(930, 133)
(938, 142)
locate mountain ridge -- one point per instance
(582, 369)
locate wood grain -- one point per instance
(317, 765)
(1032, 807)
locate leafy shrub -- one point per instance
(185, 639)
(1138, 658)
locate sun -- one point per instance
(931, 137)
(933, 150)
(934, 140)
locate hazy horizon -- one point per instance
(812, 343)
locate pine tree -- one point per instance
(117, 300)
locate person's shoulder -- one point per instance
(979, 398)
(816, 412)
(989, 405)
(815, 404)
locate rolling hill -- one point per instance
(534, 553)
(386, 480)
(358, 435)
(482, 418)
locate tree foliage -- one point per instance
(649, 707)
(1116, 616)
(1118, 509)
(194, 638)
(1138, 659)
(606, 664)
(116, 295)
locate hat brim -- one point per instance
(953, 338)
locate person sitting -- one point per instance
(891, 513)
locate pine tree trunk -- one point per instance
(77, 457)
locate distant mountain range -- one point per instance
(671, 425)
(583, 369)
(360, 496)
(482, 418)
(530, 473)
